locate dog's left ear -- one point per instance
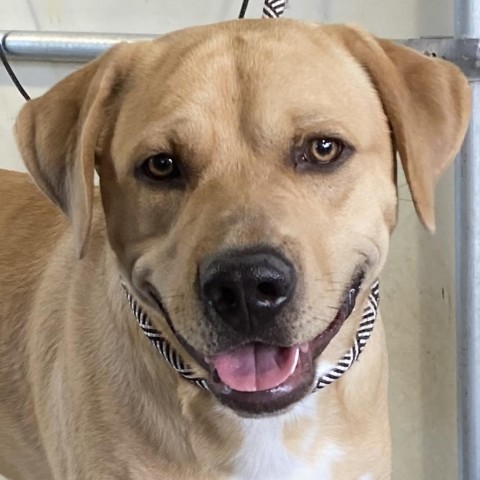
(58, 135)
(427, 102)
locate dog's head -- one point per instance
(247, 174)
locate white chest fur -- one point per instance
(264, 454)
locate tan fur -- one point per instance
(82, 393)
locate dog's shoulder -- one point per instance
(30, 226)
(21, 199)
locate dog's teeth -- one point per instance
(295, 362)
(304, 347)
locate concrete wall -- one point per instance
(418, 284)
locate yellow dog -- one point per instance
(247, 195)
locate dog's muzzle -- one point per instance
(236, 377)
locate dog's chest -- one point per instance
(267, 459)
(266, 451)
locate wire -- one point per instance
(243, 10)
(16, 81)
(9, 69)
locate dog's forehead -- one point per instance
(270, 80)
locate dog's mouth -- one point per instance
(259, 378)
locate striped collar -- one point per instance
(174, 359)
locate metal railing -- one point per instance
(467, 264)
(60, 46)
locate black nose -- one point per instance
(246, 290)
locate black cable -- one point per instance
(17, 83)
(243, 10)
(9, 70)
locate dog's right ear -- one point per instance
(427, 102)
(58, 135)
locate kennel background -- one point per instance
(418, 286)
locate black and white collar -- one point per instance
(174, 359)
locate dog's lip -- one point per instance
(319, 343)
(297, 385)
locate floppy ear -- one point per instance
(58, 133)
(427, 102)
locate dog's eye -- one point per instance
(323, 151)
(161, 167)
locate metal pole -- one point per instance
(62, 47)
(82, 47)
(467, 245)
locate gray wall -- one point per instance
(418, 284)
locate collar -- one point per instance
(174, 359)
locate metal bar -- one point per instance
(467, 246)
(461, 51)
(82, 47)
(62, 47)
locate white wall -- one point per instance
(417, 290)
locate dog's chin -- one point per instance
(258, 379)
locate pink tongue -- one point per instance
(256, 366)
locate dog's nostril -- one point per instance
(227, 297)
(268, 290)
(221, 297)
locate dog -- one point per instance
(199, 315)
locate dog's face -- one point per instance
(258, 184)
(247, 175)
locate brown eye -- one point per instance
(161, 167)
(323, 150)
